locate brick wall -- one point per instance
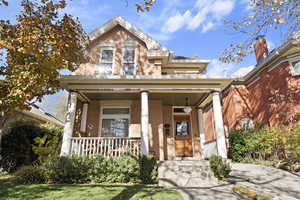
(272, 98)
(118, 35)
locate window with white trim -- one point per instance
(115, 121)
(128, 61)
(246, 123)
(296, 68)
(107, 60)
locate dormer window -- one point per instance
(296, 68)
(107, 61)
(128, 61)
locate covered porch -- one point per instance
(167, 117)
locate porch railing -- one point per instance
(106, 146)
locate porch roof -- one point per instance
(158, 83)
(171, 89)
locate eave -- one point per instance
(158, 84)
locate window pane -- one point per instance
(106, 68)
(182, 128)
(296, 66)
(107, 130)
(179, 110)
(128, 69)
(115, 111)
(107, 56)
(121, 127)
(114, 128)
(128, 56)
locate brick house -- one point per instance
(135, 96)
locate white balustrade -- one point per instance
(106, 146)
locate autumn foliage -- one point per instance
(40, 43)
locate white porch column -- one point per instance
(144, 122)
(219, 125)
(69, 125)
(201, 128)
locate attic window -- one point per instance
(128, 61)
(295, 68)
(106, 60)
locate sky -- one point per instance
(186, 27)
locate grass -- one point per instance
(11, 191)
(250, 194)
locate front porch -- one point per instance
(168, 120)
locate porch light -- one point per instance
(187, 109)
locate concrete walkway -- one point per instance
(282, 184)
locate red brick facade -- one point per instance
(273, 97)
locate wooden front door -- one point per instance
(183, 136)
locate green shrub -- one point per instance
(122, 169)
(69, 169)
(148, 169)
(31, 174)
(49, 144)
(127, 169)
(294, 142)
(220, 167)
(99, 169)
(242, 144)
(16, 145)
(264, 144)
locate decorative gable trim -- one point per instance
(150, 42)
(130, 43)
(107, 43)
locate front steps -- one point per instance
(185, 173)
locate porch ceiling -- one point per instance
(172, 99)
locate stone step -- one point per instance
(185, 174)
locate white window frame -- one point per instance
(113, 61)
(135, 60)
(112, 116)
(292, 67)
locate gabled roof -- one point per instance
(38, 113)
(149, 41)
(293, 41)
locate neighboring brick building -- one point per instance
(270, 93)
(136, 96)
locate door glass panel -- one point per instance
(182, 128)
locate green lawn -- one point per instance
(9, 191)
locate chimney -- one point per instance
(261, 49)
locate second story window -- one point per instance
(128, 61)
(107, 61)
(296, 68)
